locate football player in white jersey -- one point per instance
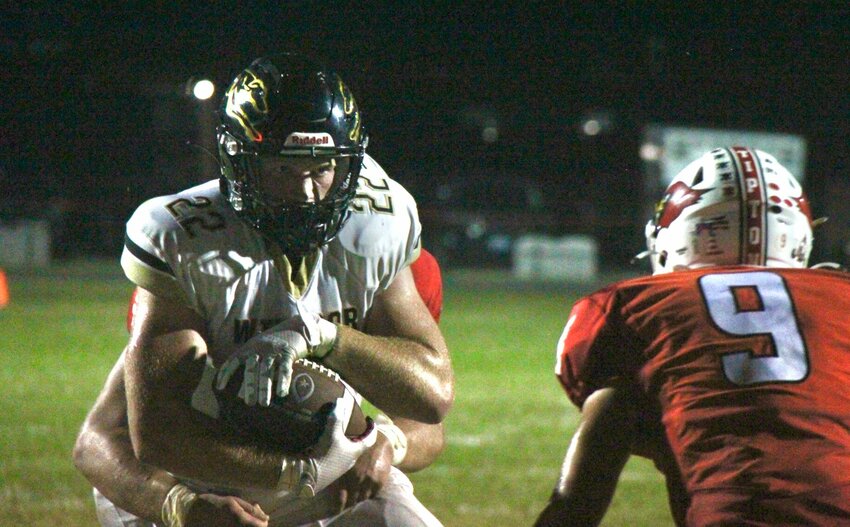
(302, 249)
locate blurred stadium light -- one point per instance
(596, 122)
(650, 152)
(490, 132)
(484, 119)
(203, 89)
(591, 127)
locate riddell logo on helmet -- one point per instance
(299, 139)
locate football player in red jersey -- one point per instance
(738, 351)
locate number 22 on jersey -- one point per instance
(750, 304)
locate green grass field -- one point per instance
(507, 432)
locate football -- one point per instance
(293, 423)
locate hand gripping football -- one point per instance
(295, 422)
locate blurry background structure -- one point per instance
(502, 118)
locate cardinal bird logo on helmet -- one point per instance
(675, 200)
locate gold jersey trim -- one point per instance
(161, 284)
(297, 279)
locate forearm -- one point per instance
(401, 376)
(167, 432)
(106, 459)
(104, 454)
(206, 453)
(595, 458)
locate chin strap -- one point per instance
(640, 256)
(176, 505)
(829, 265)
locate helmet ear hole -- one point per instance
(662, 259)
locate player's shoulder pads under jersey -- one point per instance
(597, 345)
(168, 235)
(384, 221)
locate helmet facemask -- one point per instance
(298, 228)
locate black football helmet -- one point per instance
(289, 105)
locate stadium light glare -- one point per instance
(650, 152)
(203, 89)
(591, 127)
(596, 122)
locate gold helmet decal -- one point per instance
(247, 103)
(350, 107)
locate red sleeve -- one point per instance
(4, 289)
(429, 282)
(593, 351)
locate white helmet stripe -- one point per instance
(753, 196)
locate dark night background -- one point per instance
(95, 118)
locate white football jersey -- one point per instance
(191, 245)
